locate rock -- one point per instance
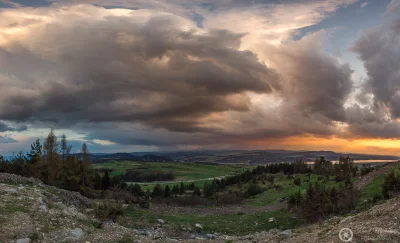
(199, 226)
(25, 240)
(210, 236)
(287, 233)
(149, 234)
(43, 207)
(76, 234)
(11, 190)
(160, 221)
(272, 219)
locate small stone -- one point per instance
(286, 232)
(210, 236)
(25, 240)
(160, 221)
(149, 234)
(43, 208)
(199, 226)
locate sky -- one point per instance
(163, 75)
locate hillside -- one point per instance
(33, 212)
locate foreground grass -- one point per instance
(232, 224)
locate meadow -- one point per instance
(186, 172)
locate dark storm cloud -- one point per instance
(365, 122)
(116, 69)
(151, 78)
(4, 127)
(316, 85)
(320, 84)
(378, 49)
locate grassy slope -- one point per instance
(272, 196)
(371, 190)
(233, 224)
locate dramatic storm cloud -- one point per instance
(168, 74)
(142, 66)
(379, 49)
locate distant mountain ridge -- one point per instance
(233, 156)
(98, 158)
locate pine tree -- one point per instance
(175, 190)
(182, 188)
(157, 191)
(65, 149)
(52, 160)
(196, 192)
(167, 191)
(36, 152)
(85, 165)
(106, 181)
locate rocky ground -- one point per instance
(33, 212)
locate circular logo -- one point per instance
(346, 234)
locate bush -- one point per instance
(295, 199)
(318, 202)
(253, 190)
(196, 192)
(271, 179)
(279, 188)
(366, 169)
(108, 211)
(297, 182)
(157, 191)
(391, 185)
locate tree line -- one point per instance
(53, 163)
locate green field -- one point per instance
(187, 172)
